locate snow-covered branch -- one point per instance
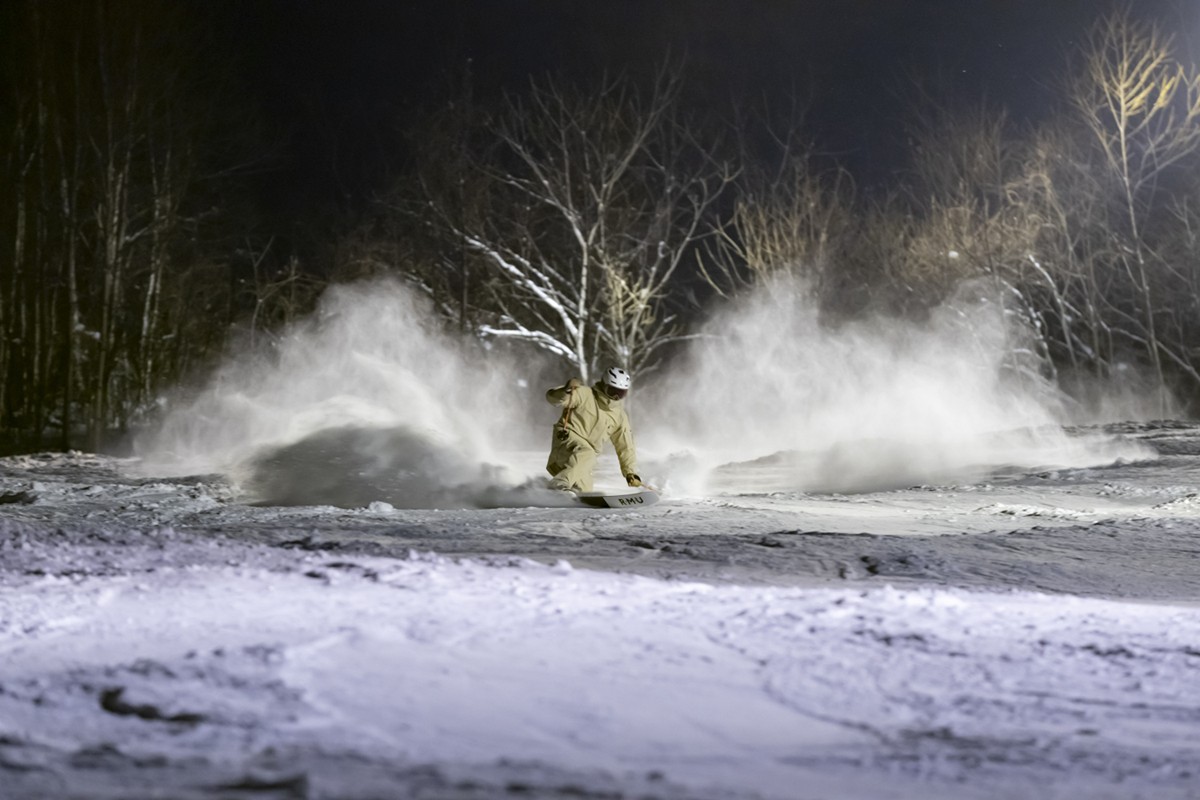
(590, 204)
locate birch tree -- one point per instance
(101, 277)
(589, 206)
(1141, 107)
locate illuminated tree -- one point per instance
(583, 208)
(795, 220)
(1141, 107)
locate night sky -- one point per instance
(336, 80)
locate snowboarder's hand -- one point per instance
(633, 480)
(574, 384)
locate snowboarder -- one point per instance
(590, 415)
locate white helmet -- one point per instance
(618, 379)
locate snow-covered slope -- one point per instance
(1029, 634)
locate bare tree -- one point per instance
(589, 204)
(794, 219)
(100, 225)
(1142, 109)
(410, 229)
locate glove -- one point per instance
(574, 384)
(633, 480)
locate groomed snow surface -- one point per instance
(1031, 634)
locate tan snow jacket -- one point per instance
(593, 416)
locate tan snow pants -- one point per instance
(571, 462)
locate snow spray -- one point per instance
(371, 400)
(368, 399)
(768, 398)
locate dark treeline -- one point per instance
(127, 228)
(585, 220)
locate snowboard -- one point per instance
(633, 498)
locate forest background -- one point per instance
(151, 220)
